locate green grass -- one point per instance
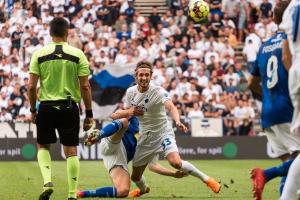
(23, 181)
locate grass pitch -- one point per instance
(23, 181)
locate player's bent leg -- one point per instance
(137, 173)
(44, 161)
(143, 188)
(113, 130)
(139, 180)
(185, 166)
(119, 134)
(121, 180)
(72, 169)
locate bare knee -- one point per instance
(44, 146)
(122, 191)
(70, 151)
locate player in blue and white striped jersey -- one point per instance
(291, 49)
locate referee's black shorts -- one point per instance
(57, 116)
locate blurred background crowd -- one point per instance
(204, 67)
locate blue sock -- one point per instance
(281, 185)
(110, 129)
(280, 170)
(101, 192)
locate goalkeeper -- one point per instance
(117, 145)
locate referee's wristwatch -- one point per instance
(32, 110)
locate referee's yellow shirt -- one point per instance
(59, 65)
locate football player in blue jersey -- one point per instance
(270, 79)
(117, 145)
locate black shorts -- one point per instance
(64, 120)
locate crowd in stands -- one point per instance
(205, 78)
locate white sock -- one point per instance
(188, 168)
(292, 183)
(141, 184)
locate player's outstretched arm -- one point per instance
(157, 168)
(127, 113)
(175, 115)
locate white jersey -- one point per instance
(152, 101)
(291, 25)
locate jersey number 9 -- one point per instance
(272, 73)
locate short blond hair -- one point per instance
(144, 64)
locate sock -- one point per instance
(280, 170)
(110, 129)
(44, 160)
(141, 184)
(188, 168)
(101, 192)
(73, 173)
(292, 183)
(281, 185)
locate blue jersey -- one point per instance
(277, 106)
(129, 139)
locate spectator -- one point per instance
(129, 12)
(154, 18)
(250, 50)
(231, 75)
(231, 9)
(16, 37)
(103, 13)
(180, 19)
(215, 7)
(229, 129)
(243, 13)
(210, 110)
(24, 113)
(74, 40)
(230, 88)
(265, 9)
(195, 112)
(16, 101)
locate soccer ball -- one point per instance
(198, 10)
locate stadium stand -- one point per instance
(209, 67)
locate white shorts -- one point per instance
(294, 89)
(114, 154)
(281, 139)
(149, 147)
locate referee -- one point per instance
(63, 73)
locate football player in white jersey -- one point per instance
(149, 103)
(291, 49)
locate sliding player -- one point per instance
(117, 145)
